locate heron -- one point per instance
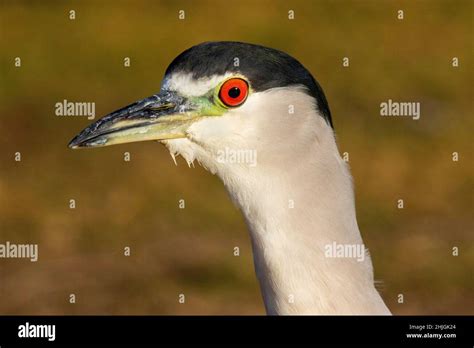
(297, 198)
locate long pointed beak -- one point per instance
(162, 116)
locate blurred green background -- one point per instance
(190, 250)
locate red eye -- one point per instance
(234, 92)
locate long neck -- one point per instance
(308, 252)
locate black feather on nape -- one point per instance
(264, 67)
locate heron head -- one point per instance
(215, 95)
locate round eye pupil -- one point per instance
(234, 92)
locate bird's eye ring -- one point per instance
(233, 92)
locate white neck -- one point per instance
(297, 200)
(294, 214)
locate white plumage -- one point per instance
(289, 243)
(296, 194)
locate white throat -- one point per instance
(293, 224)
(298, 203)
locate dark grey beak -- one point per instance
(159, 117)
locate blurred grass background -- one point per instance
(190, 250)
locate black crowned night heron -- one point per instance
(220, 100)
